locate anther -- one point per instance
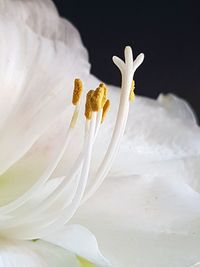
(88, 107)
(105, 110)
(96, 100)
(78, 89)
(105, 95)
(132, 94)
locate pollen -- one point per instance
(88, 107)
(97, 98)
(105, 110)
(78, 89)
(132, 94)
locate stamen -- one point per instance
(132, 94)
(105, 95)
(78, 174)
(78, 89)
(127, 70)
(97, 98)
(74, 117)
(96, 108)
(105, 110)
(88, 107)
(98, 123)
(64, 213)
(52, 166)
(83, 178)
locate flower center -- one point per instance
(71, 193)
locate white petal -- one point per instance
(140, 221)
(177, 107)
(42, 17)
(34, 254)
(38, 212)
(36, 165)
(154, 139)
(36, 83)
(79, 240)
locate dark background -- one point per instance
(168, 32)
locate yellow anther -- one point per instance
(88, 107)
(105, 95)
(105, 110)
(132, 94)
(78, 89)
(96, 100)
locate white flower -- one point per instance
(146, 212)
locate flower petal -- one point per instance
(141, 221)
(43, 18)
(159, 143)
(35, 167)
(177, 107)
(34, 254)
(79, 240)
(36, 84)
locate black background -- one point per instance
(168, 32)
